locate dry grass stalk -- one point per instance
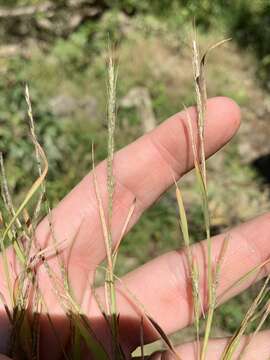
(235, 340)
(192, 265)
(200, 169)
(110, 294)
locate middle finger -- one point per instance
(163, 285)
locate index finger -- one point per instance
(142, 170)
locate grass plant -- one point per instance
(26, 304)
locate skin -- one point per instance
(144, 170)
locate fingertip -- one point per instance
(226, 109)
(222, 122)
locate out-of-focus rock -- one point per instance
(139, 98)
(89, 105)
(254, 134)
(65, 105)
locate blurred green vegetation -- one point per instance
(152, 38)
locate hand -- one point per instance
(144, 170)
